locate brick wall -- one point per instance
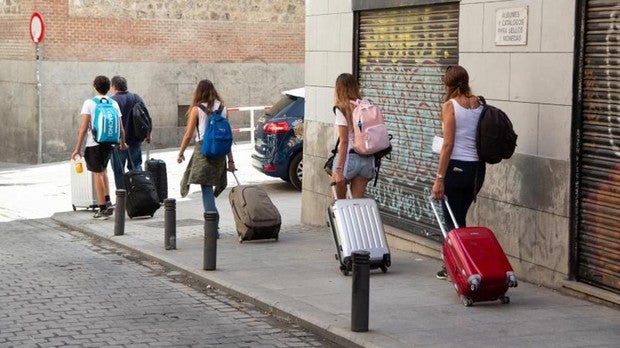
(158, 30)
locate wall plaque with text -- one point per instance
(511, 26)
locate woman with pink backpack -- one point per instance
(349, 166)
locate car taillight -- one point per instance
(276, 127)
(269, 168)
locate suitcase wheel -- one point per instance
(383, 268)
(467, 302)
(504, 299)
(74, 208)
(344, 270)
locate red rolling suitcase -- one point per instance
(475, 261)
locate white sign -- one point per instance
(511, 26)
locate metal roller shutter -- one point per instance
(402, 54)
(599, 184)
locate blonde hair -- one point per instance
(346, 90)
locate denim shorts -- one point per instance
(357, 165)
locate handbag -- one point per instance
(329, 164)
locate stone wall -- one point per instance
(253, 11)
(10, 6)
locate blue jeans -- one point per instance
(208, 201)
(120, 159)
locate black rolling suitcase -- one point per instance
(142, 199)
(256, 217)
(157, 169)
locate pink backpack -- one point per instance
(370, 133)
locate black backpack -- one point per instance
(141, 121)
(495, 138)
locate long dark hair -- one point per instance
(205, 93)
(346, 89)
(456, 80)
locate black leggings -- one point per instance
(462, 183)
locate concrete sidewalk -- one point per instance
(298, 277)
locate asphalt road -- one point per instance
(61, 288)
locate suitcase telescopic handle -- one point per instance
(433, 202)
(236, 179)
(333, 186)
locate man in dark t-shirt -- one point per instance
(132, 156)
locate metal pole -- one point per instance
(170, 226)
(119, 215)
(360, 290)
(40, 105)
(210, 241)
(252, 127)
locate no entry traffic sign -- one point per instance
(37, 27)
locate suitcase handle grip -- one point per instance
(441, 224)
(333, 186)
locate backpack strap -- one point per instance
(378, 157)
(204, 108)
(483, 102)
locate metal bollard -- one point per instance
(210, 242)
(360, 290)
(119, 212)
(170, 224)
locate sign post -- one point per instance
(37, 31)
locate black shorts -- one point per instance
(97, 157)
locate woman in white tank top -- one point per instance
(209, 173)
(460, 174)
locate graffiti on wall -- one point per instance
(401, 62)
(411, 109)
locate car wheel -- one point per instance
(295, 170)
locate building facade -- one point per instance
(252, 50)
(551, 65)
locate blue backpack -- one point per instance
(218, 136)
(106, 122)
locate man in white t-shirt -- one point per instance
(97, 155)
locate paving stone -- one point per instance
(67, 290)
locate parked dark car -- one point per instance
(278, 136)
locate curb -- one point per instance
(333, 332)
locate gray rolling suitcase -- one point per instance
(256, 217)
(356, 225)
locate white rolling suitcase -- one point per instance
(356, 225)
(83, 193)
